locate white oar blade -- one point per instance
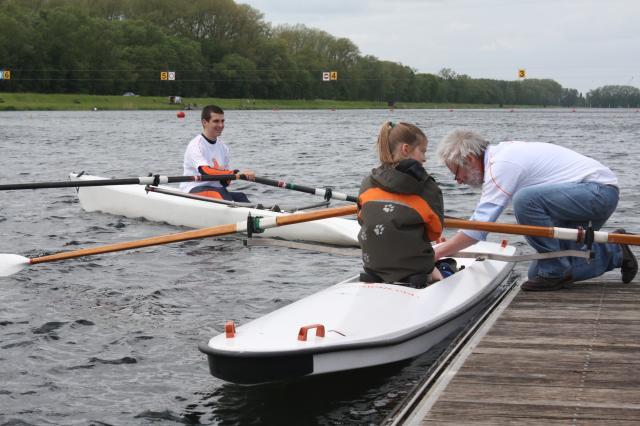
(12, 263)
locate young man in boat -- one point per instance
(207, 154)
(401, 211)
(549, 186)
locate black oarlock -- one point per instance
(253, 225)
(328, 193)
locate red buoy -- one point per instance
(180, 114)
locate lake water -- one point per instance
(112, 339)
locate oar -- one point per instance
(327, 193)
(158, 180)
(543, 231)
(146, 180)
(12, 263)
(549, 232)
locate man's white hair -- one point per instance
(459, 144)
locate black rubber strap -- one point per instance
(589, 236)
(327, 194)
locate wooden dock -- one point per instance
(567, 357)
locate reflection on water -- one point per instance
(113, 338)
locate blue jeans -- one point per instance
(568, 205)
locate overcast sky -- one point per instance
(581, 44)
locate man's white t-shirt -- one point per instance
(510, 166)
(201, 152)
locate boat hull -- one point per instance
(134, 202)
(365, 324)
(263, 368)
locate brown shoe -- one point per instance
(546, 284)
(629, 265)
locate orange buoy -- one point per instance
(180, 114)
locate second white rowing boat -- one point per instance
(134, 201)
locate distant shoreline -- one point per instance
(10, 101)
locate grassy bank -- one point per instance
(67, 102)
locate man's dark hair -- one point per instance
(210, 109)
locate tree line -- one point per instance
(218, 48)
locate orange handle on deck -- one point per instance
(302, 334)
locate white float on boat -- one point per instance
(353, 325)
(134, 201)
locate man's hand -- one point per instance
(250, 174)
(436, 275)
(458, 242)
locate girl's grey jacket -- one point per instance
(401, 211)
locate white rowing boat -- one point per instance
(135, 201)
(354, 325)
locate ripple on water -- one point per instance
(48, 327)
(123, 360)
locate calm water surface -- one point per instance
(112, 339)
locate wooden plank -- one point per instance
(559, 341)
(567, 348)
(564, 357)
(595, 377)
(626, 315)
(459, 390)
(526, 414)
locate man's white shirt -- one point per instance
(509, 166)
(200, 152)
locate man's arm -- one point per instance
(458, 242)
(485, 212)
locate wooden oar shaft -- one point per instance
(542, 231)
(213, 231)
(153, 241)
(624, 239)
(320, 214)
(504, 228)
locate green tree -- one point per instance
(235, 76)
(614, 97)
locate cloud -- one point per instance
(582, 44)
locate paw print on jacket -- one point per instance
(379, 229)
(388, 208)
(365, 257)
(363, 235)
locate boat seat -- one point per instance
(447, 266)
(414, 281)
